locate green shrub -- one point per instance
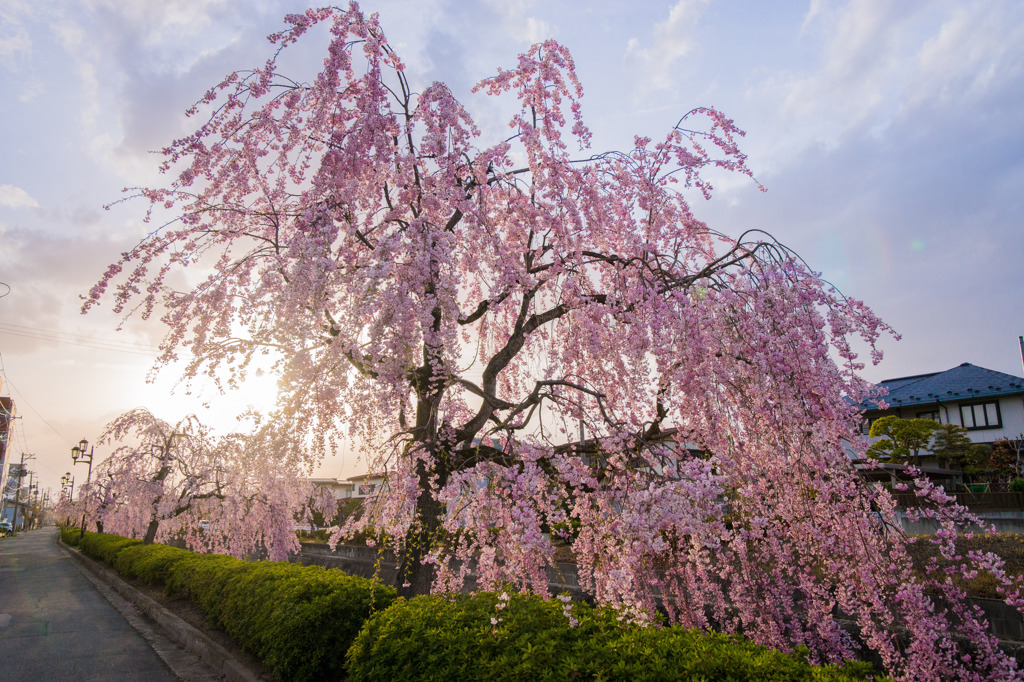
(319, 535)
(103, 546)
(453, 638)
(149, 563)
(204, 579)
(298, 620)
(70, 535)
(1017, 485)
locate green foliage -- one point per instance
(320, 535)
(1017, 485)
(298, 620)
(952, 443)
(566, 531)
(201, 577)
(980, 460)
(453, 638)
(1004, 457)
(103, 546)
(70, 535)
(901, 440)
(151, 564)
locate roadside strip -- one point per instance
(220, 660)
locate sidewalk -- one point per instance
(55, 624)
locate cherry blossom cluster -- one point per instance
(231, 495)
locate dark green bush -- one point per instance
(70, 535)
(298, 620)
(319, 535)
(453, 638)
(203, 579)
(149, 563)
(104, 546)
(1017, 485)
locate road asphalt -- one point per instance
(57, 623)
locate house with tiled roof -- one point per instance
(989, 404)
(369, 484)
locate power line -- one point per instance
(78, 339)
(7, 381)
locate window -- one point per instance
(931, 414)
(980, 416)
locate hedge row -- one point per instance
(461, 638)
(69, 535)
(297, 620)
(301, 620)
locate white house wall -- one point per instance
(1011, 412)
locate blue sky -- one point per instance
(889, 135)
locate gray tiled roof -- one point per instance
(965, 382)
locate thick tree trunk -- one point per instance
(415, 577)
(151, 532)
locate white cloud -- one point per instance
(14, 42)
(673, 38)
(519, 23)
(14, 37)
(864, 53)
(976, 49)
(16, 197)
(881, 63)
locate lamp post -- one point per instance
(79, 454)
(33, 495)
(67, 488)
(67, 484)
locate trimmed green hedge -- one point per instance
(298, 620)
(70, 535)
(453, 638)
(103, 546)
(151, 564)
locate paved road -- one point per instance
(55, 624)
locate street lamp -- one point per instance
(67, 486)
(79, 454)
(33, 494)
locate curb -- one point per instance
(195, 641)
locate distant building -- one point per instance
(989, 404)
(368, 485)
(6, 481)
(342, 490)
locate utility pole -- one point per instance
(26, 521)
(17, 491)
(78, 453)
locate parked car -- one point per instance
(5, 527)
